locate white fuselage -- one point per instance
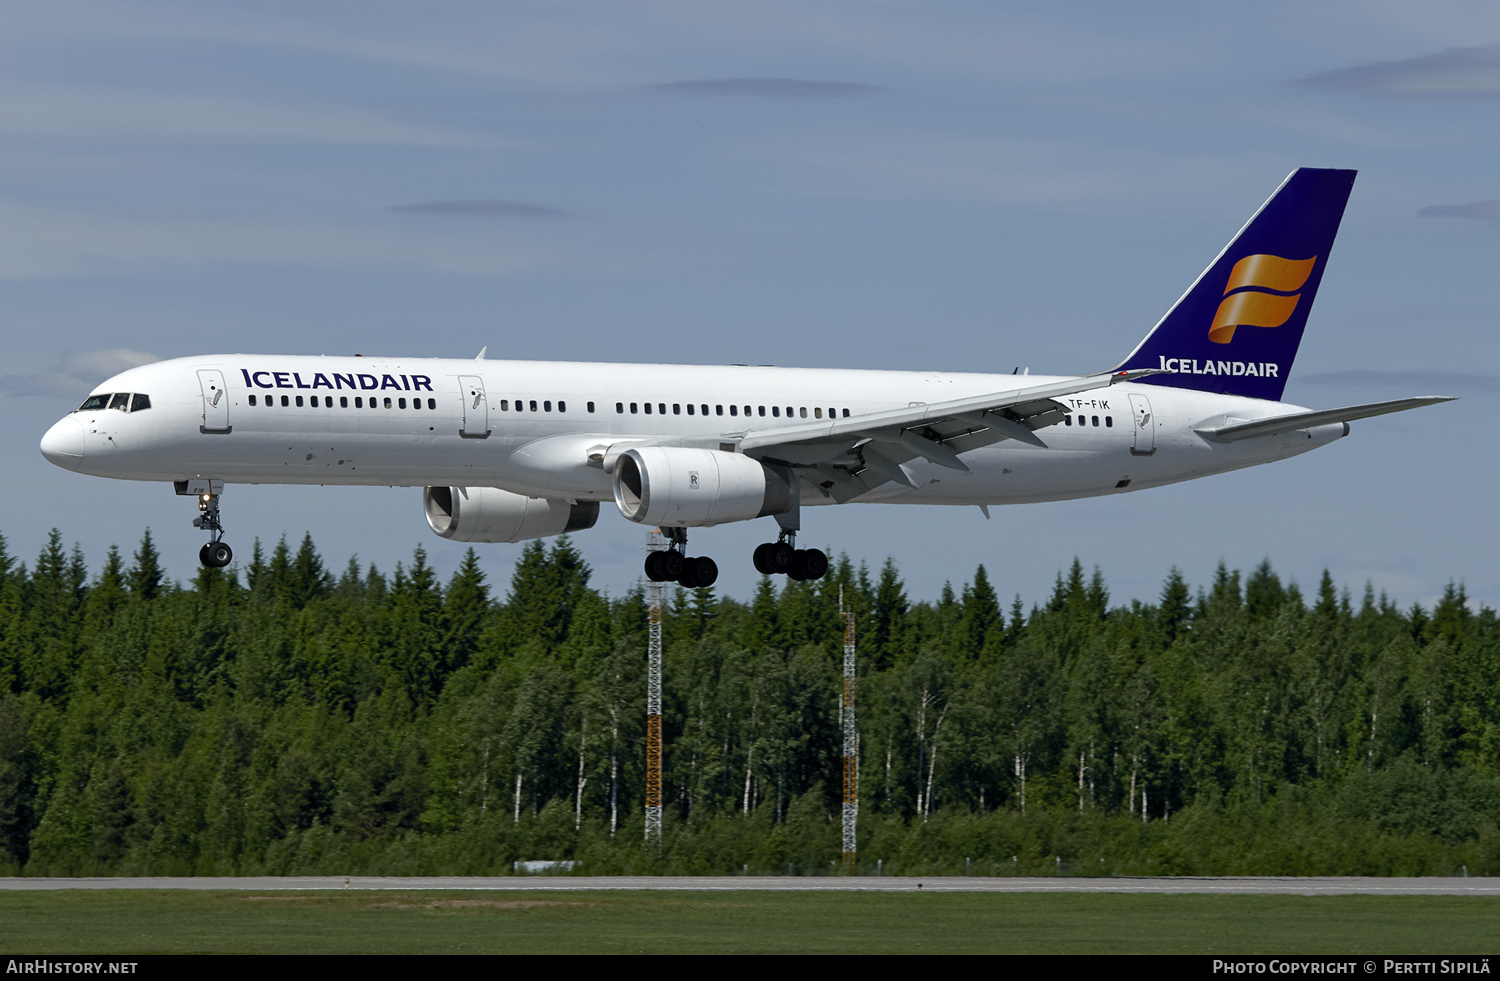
(531, 427)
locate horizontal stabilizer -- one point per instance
(1316, 417)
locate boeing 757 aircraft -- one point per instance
(513, 450)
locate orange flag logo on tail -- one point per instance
(1253, 306)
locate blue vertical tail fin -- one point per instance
(1237, 328)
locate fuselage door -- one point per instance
(1145, 425)
(476, 423)
(215, 401)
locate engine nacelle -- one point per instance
(683, 487)
(489, 514)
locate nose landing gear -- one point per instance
(216, 554)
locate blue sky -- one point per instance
(962, 186)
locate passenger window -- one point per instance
(1067, 420)
(620, 408)
(846, 413)
(343, 401)
(547, 406)
(401, 403)
(314, 401)
(533, 405)
(120, 401)
(676, 408)
(762, 409)
(432, 403)
(505, 405)
(387, 402)
(817, 412)
(1109, 422)
(661, 407)
(705, 410)
(285, 401)
(1096, 420)
(632, 408)
(359, 402)
(299, 401)
(648, 408)
(252, 399)
(690, 408)
(562, 406)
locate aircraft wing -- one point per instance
(855, 454)
(1317, 417)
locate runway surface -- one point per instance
(1229, 886)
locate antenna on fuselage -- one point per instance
(480, 355)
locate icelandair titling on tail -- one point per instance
(509, 450)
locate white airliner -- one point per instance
(508, 450)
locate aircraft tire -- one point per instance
(780, 557)
(669, 566)
(699, 573)
(653, 567)
(215, 555)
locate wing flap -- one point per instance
(877, 425)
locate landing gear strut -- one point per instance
(216, 554)
(674, 565)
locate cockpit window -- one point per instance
(95, 402)
(139, 401)
(121, 401)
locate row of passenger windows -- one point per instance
(1109, 421)
(546, 405)
(124, 401)
(359, 402)
(521, 405)
(734, 410)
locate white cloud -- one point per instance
(1452, 73)
(38, 243)
(133, 116)
(75, 373)
(767, 88)
(1475, 211)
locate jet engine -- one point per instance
(489, 514)
(684, 487)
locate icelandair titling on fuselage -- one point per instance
(337, 380)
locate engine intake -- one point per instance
(684, 487)
(489, 514)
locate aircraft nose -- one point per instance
(63, 444)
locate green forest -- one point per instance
(282, 717)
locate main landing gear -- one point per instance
(673, 565)
(783, 557)
(216, 554)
